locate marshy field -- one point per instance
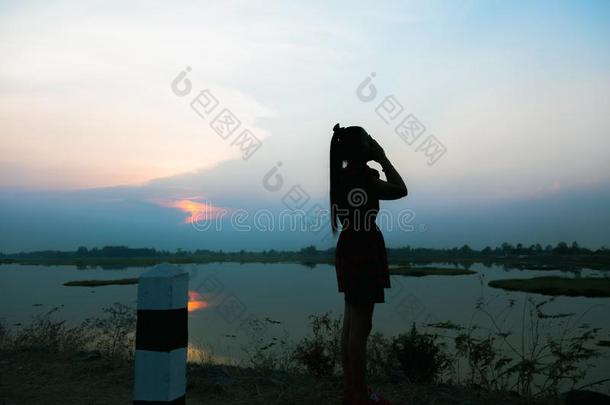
(515, 331)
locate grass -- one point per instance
(604, 343)
(41, 379)
(50, 362)
(100, 283)
(555, 285)
(429, 271)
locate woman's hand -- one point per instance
(394, 187)
(377, 152)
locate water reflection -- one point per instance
(196, 302)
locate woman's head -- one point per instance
(351, 145)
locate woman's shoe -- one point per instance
(347, 397)
(375, 398)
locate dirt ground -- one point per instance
(28, 378)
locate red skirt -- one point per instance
(361, 264)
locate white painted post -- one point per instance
(161, 337)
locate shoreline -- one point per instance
(534, 263)
(38, 378)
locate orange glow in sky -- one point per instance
(197, 211)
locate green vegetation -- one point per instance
(112, 336)
(573, 287)
(99, 283)
(534, 257)
(429, 271)
(419, 365)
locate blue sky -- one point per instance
(95, 148)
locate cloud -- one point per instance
(86, 100)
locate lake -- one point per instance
(226, 295)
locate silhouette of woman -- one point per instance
(360, 259)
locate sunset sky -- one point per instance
(96, 148)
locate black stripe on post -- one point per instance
(177, 401)
(162, 330)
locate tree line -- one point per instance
(504, 250)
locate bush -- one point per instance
(5, 336)
(379, 361)
(554, 351)
(484, 357)
(419, 356)
(46, 334)
(320, 354)
(114, 335)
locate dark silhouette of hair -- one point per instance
(346, 145)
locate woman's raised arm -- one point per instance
(392, 189)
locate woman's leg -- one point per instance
(345, 333)
(360, 327)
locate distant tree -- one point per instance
(309, 250)
(561, 248)
(465, 250)
(82, 251)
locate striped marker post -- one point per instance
(161, 337)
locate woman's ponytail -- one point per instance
(336, 161)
